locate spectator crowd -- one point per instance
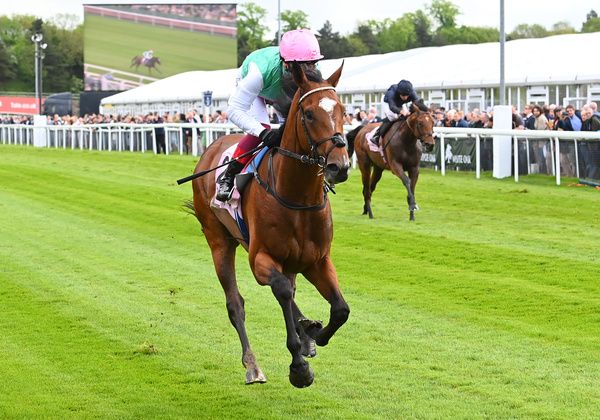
(533, 117)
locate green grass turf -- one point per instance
(487, 306)
(113, 43)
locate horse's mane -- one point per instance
(283, 104)
(421, 105)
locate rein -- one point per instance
(313, 159)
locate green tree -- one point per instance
(357, 46)
(422, 25)
(364, 34)
(293, 19)
(397, 35)
(250, 30)
(444, 13)
(7, 65)
(466, 35)
(525, 30)
(561, 27)
(592, 22)
(332, 44)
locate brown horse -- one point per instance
(150, 64)
(401, 150)
(289, 222)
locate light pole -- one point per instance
(39, 56)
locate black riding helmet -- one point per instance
(404, 87)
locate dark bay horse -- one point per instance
(402, 153)
(138, 60)
(289, 222)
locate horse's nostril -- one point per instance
(332, 168)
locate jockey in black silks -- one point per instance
(396, 96)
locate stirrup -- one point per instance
(225, 190)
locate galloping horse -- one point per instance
(289, 221)
(401, 150)
(151, 63)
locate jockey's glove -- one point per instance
(270, 137)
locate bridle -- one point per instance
(416, 134)
(314, 158)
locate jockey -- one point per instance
(260, 79)
(395, 97)
(148, 55)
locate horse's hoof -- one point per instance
(311, 327)
(301, 376)
(255, 376)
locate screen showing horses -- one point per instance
(128, 45)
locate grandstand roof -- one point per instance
(560, 59)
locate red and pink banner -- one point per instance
(18, 105)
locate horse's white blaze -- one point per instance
(327, 104)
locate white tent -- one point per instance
(561, 59)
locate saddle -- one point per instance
(230, 213)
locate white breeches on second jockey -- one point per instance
(392, 116)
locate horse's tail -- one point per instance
(188, 207)
(350, 137)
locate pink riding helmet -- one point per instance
(299, 45)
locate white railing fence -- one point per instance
(188, 138)
(518, 137)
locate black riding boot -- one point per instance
(383, 128)
(225, 184)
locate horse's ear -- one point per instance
(335, 77)
(298, 74)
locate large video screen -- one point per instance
(129, 45)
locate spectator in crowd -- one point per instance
(372, 115)
(395, 99)
(573, 120)
(590, 121)
(594, 107)
(559, 119)
(517, 121)
(486, 119)
(528, 118)
(476, 121)
(159, 133)
(262, 77)
(540, 122)
(438, 118)
(350, 120)
(362, 117)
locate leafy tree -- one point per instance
(397, 35)
(332, 44)
(591, 15)
(7, 64)
(525, 30)
(250, 30)
(562, 27)
(357, 46)
(294, 19)
(466, 35)
(422, 25)
(444, 12)
(592, 22)
(364, 34)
